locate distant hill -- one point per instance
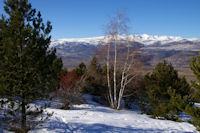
(176, 50)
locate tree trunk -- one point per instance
(23, 116)
(116, 28)
(114, 74)
(108, 78)
(123, 78)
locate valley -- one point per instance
(175, 50)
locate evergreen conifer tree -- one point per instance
(81, 69)
(192, 110)
(167, 94)
(95, 79)
(94, 68)
(29, 70)
(195, 67)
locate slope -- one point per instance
(92, 117)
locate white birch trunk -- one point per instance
(108, 77)
(114, 73)
(123, 78)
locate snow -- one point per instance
(152, 39)
(142, 38)
(92, 40)
(93, 117)
(197, 105)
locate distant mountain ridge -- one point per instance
(143, 38)
(176, 50)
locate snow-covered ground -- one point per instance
(93, 117)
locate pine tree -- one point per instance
(81, 69)
(195, 67)
(93, 66)
(95, 78)
(192, 110)
(29, 70)
(167, 94)
(94, 69)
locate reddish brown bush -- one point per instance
(69, 80)
(70, 89)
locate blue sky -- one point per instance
(85, 18)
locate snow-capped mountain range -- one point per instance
(143, 38)
(177, 50)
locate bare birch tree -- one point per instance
(116, 36)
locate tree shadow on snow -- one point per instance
(103, 110)
(56, 126)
